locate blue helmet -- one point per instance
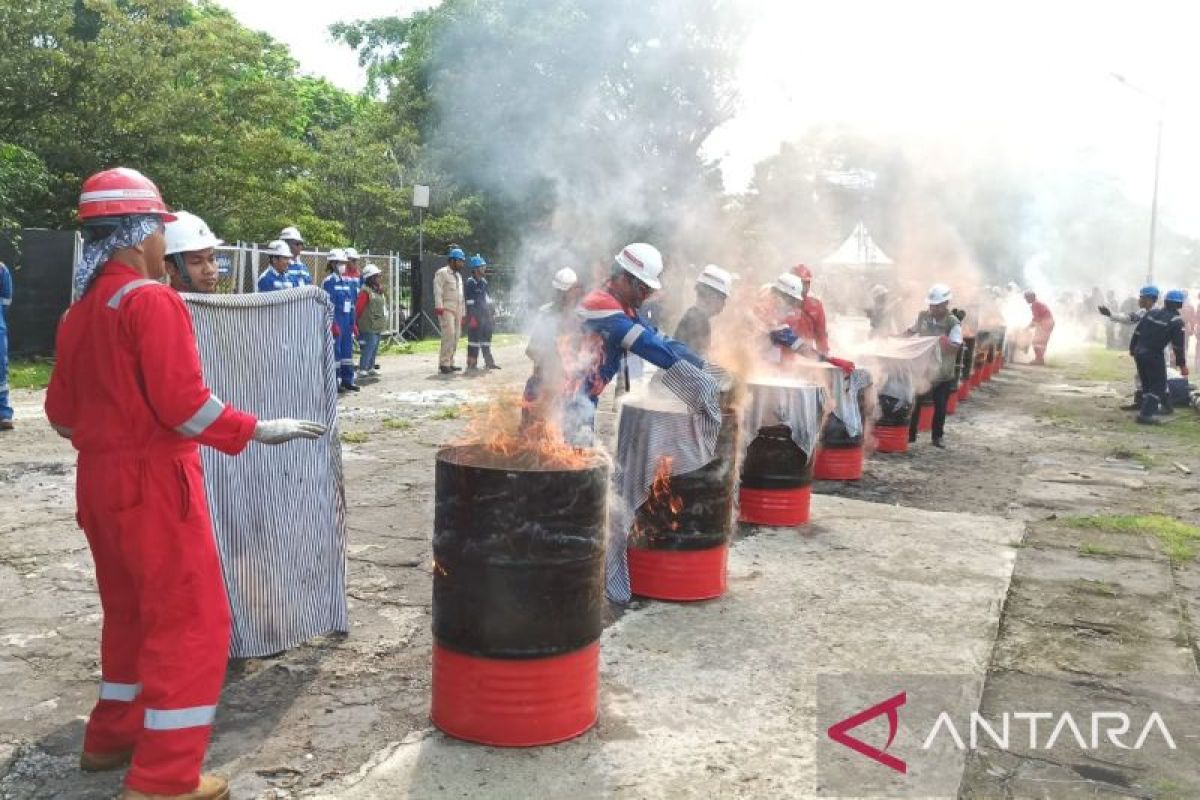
(456, 253)
(1149, 291)
(477, 261)
(1176, 296)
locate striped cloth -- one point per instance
(906, 367)
(279, 513)
(683, 427)
(793, 403)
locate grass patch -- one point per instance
(1093, 549)
(398, 424)
(1178, 539)
(1102, 364)
(354, 437)
(450, 412)
(1183, 427)
(29, 374)
(431, 346)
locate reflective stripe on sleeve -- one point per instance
(632, 336)
(175, 719)
(206, 416)
(5, 301)
(121, 692)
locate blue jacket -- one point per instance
(342, 295)
(475, 293)
(269, 280)
(623, 330)
(6, 293)
(298, 274)
(1158, 329)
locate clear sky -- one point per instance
(1031, 75)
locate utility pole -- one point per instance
(1157, 167)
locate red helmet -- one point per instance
(121, 192)
(802, 272)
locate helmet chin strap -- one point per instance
(181, 265)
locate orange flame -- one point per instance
(511, 428)
(661, 497)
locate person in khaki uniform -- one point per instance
(449, 305)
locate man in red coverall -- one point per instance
(807, 321)
(1042, 325)
(128, 391)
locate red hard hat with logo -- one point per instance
(803, 272)
(121, 192)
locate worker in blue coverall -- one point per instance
(610, 316)
(342, 295)
(480, 319)
(1158, 329)
(6, 295)
(298, 274)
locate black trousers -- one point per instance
(939, 395)
(1152, 372)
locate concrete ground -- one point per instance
(904, 571)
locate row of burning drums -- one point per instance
(518, 586)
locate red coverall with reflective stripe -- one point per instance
(127, 384)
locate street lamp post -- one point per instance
(1157, 165)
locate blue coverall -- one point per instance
(342, 295)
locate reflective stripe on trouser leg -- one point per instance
(184, 622)
(344, 352)
(175, 719)
(116, 719)
(119, 692)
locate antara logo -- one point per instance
(1106, 728)
(838, 732)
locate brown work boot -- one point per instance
(211, 788)
(105, 762)
(6, 424)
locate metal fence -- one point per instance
(241, 264)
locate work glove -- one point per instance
(438, 312)
(473, 323)
(278, 431)
(784, 337)
(1104, 310)
(1183, 370)
(335, 330)
(845, 366)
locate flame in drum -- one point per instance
(661, 496)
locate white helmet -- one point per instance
(642, 261)
(789, 284)
(337, 254)
(370, 271)
(188, 233)
(565, 279)
(290, 234)
(351, 254)
(278, 248)
(716, 278)
(938, 293)
(878, 290)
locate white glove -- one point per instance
(278, 431)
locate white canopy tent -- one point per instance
(859, 250)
